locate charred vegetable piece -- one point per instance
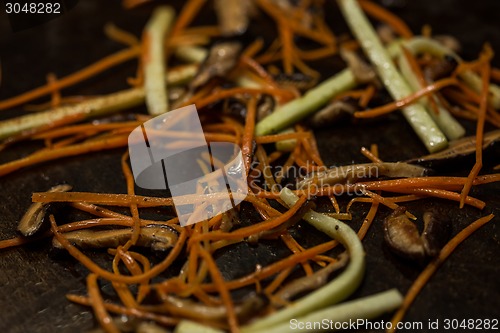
(156, 237)
(33, 218)
(221, 59)
(352, 173)
(403, 238)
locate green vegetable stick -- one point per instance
(446, 122)
(294, 111)
(98, 106)
(362, 308)
(336, 290)
(421, 122)
(95, 107)
(154, 59)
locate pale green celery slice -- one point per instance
(416, 115)
(154, 61)
(294, 111)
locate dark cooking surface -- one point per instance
(33, 280)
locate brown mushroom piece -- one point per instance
(33, 219)
(221, 59)
(403, 238)
(332, 113)
(315, 281)
(459, 148)
(158, 238)
(436, 233)
(402, 235)
(363, 72)
(349, 174)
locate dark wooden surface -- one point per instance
(34, 280)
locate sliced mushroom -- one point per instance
(315, 281)
(403, 238)
(461, 147)
(363, 72)
(296, 80)
(436, 233)
(352, 173)
(221, 59)
(332, 113)
(265, 107)
(189, 309)
(402, 235)
(33, 218)
(158, 238)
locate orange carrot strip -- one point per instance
(247, 140)
(380, 13)
(85, 73)
(253, 229)
(68, 130)
(97, 303)
(407, 100)
(281, 137)
(222, 289)
(479, 134)
(433, 266)
(368, 154)
(274, 268)
(419, 75)
(367, 222)
(226, 93)
(167, 321)
(189, 11)
(19, 240)
(53, 154)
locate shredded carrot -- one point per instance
(53, 154)
(247, 141)
(97, 304)
(391, 107)
(380, 13)
(427, 273)
(223, 290)
(83, 74)
(189, 11)
(276, 267)
(479, 134)
(419, 75)
(163, 320)
(367, 222)
(368, 154)
(120, 35)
